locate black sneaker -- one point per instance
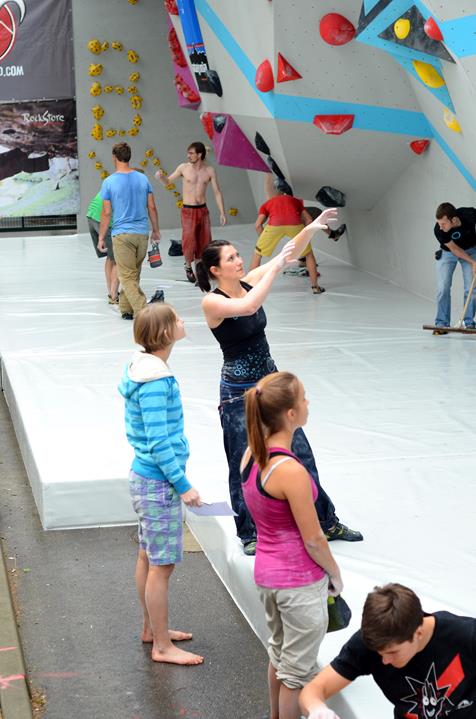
(190, 275)
(127, 316)
(340, 531)
(158, 296)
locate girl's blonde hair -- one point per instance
(265, 405)
(154, 326)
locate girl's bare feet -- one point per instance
(174, 655)
(174, 635)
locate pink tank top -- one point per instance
(281, 559)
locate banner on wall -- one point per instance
(207, 80)
(38, 158)
(36, 49)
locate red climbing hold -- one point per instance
(264, 79)
(171, 7)
(286, 71)
(335, 29)
(177, 54)
(432, 30)
(334, 124)
(206, 118)
(419, 146)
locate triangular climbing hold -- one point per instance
(286, 71)
(419, 146)
(233, 149)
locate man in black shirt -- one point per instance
(425, 664)
(455, 230)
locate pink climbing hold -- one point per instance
(206, 118)
(264, 79)
(419, 146)
(335, 29)
(233, 149)
(334, 124)
(432, 30)
(286, 71)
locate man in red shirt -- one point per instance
(286, 218)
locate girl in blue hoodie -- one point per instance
(155, 429)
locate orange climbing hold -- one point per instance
(264, 79)
(335, 29)
(286, 71)
(334, 124)
(206, 118)
(432, 30)
(419, 146)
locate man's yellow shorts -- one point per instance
(271, 235)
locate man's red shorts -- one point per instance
(196, 233)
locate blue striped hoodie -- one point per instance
(154, 421)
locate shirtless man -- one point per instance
(196, 175)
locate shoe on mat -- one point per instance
(249, 548)
(316, 290)
(336, 234)
(127, 316)
(190, 274)
(158, 296)
(340, 531)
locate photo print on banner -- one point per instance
(38, 137)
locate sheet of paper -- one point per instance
(213, 509)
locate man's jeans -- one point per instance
(232, 416)
(444, 275)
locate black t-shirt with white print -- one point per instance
(464, 236)
(439, 681)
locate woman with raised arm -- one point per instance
(234, 313)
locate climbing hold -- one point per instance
(97, 112)
(335, 29)
(451, 122)
(334, 124)
(95, 69)
(214, 82)
(402, 28)
(174, 44)
(233, 211)
(95, 89)
(432, 30)
(261, 145)
(419, 146)
(286, 71)
(95, 47)
(117, 45)
(330, 197)
(206, 118)
(428, 74)
(136, 101)
(132, 56)
(171, 7)
(264, 79)
(96, 131)
(219, 122)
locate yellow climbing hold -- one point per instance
(95, 89)
(94, 46)
(451, 122)
(91, 155)
(97, 112)
(149, 152)
(428, 74)
(402, 28)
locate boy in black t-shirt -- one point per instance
(455, 230)
(425, 664)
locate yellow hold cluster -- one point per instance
(95, 69)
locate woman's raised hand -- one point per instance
(320, 223)
(285, 256)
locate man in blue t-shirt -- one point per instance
(455, 230)
(425, 664)
(127, 195)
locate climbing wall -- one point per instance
(373, 97)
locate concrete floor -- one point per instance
(80, 621)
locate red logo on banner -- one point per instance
(8, 25)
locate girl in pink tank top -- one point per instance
(294, 567)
